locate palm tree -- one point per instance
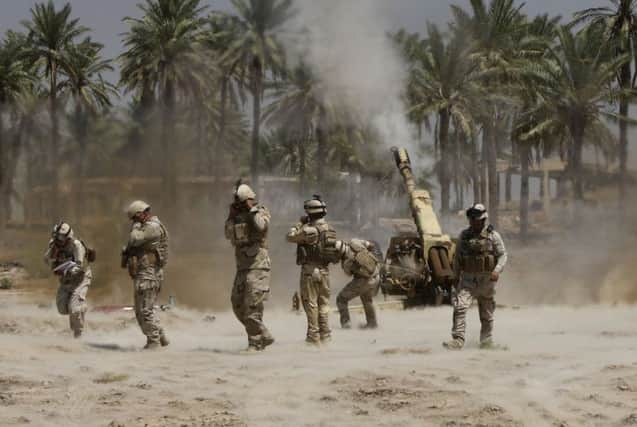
(91, 94)
(50, 32)
(442, 83)
(258, 52)
(620, 20)
(576, 92)
(164, 56)
(495, 31)
(15, 82)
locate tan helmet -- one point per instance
(477, 211)
(62, 231)
(138, 206)
(315, 205)
(244, 192)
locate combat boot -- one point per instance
(152, 345)
(163, 340)
(266, 341)
(454, 344)
(346, 325)
(77, 334)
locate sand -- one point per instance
(557, 365)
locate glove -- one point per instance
(137, 226)
(254, 210)
(304, 219)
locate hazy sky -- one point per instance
(104, 17)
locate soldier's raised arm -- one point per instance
(260, 218)
(302, 234)
(79, 253)
(500, 252)
(142, 233)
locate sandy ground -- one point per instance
(558, 366)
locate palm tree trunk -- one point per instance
(507, 186)
(169, 162)
(524, 191)
(475, 169)
(257, 90)
(492, 173)
(444, 161)
(3, 173)
(577, 132)
(54, 147)
(303, 141)
(220, 143)
(82, 133)
(483, 170)
(623, 132)
(321, 150)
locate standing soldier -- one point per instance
(247, 229)
(69, 259)
(360, 260)
(479, 260)
(145, 256)
(316, 249)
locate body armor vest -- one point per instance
(245, 234)
(478, 252)
(60, 255)
(323, 251)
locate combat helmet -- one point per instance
(244, 192)
(138, 206)
(477, 211)
(315, 206)
(62, 231)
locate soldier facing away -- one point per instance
(68, 258)
(247, 229)
(359, 259)
(316, 249)
(145, 257)
(479, 260)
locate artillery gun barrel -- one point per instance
(419, 199)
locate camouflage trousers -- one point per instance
(365, 288)
(71, 300)
(146, 293)
(315, 297)
(483, 290)
(251, 289)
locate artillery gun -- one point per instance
(418, 264)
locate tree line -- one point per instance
(204, 92)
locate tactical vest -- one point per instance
(364, 262)
(478, 252)
(323, 252)
(155, 252)
(244, 233)
(66, 253)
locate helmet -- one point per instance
(244, 192)
(477, 211)
(62, 231)
(138, 206)
(315, 205)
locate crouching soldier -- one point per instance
(69, 259)
(145, 256)
(359, 259)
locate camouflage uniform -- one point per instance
(248, 230)
(315, 279)
(477, 255)
(364, 283)
(71, 294)
(148, 254)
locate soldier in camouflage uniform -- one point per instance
(360, 260)
(479, 260)
(316, 249)
(247, 229)
(145, 256)
(68, 258)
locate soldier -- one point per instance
(316, 249)
(479, 260)
(247, 229)
(145, 256)
(68, 258)
(360, 260)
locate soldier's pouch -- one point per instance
(241, 234)
(133, 266)
(258, 280)
(366, 262)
